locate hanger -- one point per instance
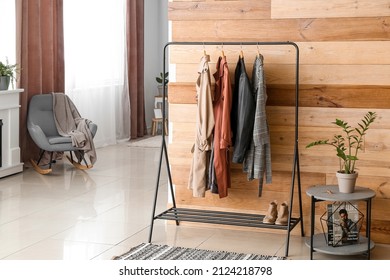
(222, 52)
(258, 51)
(241, 52)
(205, 54)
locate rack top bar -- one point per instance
(233, 43)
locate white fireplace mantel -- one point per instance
(9, 114)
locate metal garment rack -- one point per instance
(229, 218)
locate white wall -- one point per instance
(7, 31)
(156, 36)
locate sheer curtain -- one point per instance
(96, 65)
(7, 35)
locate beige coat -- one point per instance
(204, 129)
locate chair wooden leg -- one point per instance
(78, 165)
(39, 169)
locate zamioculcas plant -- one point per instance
(349, 143)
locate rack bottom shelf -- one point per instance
(319, 245)
(223, 218)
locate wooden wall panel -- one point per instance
(344, 72)
(344, 52)
(333, 29)
(311, 53)
(324, 95)
(241, 10)
(329, 8)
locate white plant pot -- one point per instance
(347, 182)
(161, 90)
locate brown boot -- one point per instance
(271, 214)
(282, 215)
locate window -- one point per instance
(95, 65)
(7, 31)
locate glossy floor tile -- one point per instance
(103, 212)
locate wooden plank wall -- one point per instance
(344, 72)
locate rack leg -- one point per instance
(312, 226)
(287, 241)
(300, 197)
(289, 220)
(368, 228)
(170, 181)
(295, 171)
(156, 193)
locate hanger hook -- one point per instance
(258, 50)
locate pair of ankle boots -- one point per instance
(274, 216)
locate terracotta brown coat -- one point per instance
(222, 130)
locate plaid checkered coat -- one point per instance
(257, 162)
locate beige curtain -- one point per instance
(135, 56)
(40, 54)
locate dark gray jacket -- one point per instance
(243, 112)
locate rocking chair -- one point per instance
(42, 128)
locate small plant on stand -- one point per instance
(162, 81)
(348, 144)
(7, 74)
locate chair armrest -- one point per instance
(38, 136)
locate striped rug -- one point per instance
(146, 142)
(148, 251)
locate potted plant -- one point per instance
(162, 81)
(347, 146)
(7, 74)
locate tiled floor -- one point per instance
(100, 213)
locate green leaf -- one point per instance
(341, 154)
(352, 157)
(319, 142)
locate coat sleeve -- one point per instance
(226, 133)
(205, 110)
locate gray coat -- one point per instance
(258, 158)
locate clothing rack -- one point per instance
(229, 218)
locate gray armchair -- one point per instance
(42, 128)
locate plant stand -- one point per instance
(317, 242)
